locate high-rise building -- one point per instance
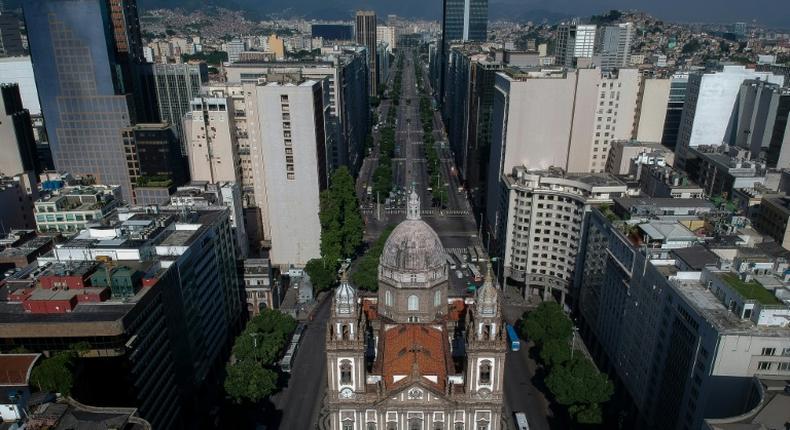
(574, 41)
(710, 99)
(155, 300)
(83, 83)
(17, 143)
(155, 162)
(366, 36)
(677, 99)
(387, 34)
(10, 36)
(234, 48)
(211, 140)
(176, 86)
(464, 20)
(19, 70)
(333, 32)
(615, 47)
(448, 370)
(290, 153)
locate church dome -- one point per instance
(413, 247)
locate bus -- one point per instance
(288, 359)
(451, 262)
(472, 254)
(515, 344)
(476, 275)
(521, 421)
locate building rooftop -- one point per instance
(751, 290)
(414, 351)
(696, 257)
(15, 369)
(770, 412)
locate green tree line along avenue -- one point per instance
(437, 184)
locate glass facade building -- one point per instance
(81, 87)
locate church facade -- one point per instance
(415, 356)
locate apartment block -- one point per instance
(71, 209)
(574, 41)
(211, 136)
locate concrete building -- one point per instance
(259, 287)
(10, 36)
(19, 248)
(19, 70)
(291, 155)
(365, 31)
(772, 219)
(662, 181)
(540, 223)
(720, 170)
(167, 350)
(759, 122)
(155, 161)
(625, 156)
(176, 86)
(333, 32)
(654, 98)
(764, 408)
(69, 210)
(682, 337)
(615, 49)
(709, 104)
(574, 41)
(388, 35)
(17, 194)
(423, 372)
(276, 46)
(212, 148)
(234, 48)
(17, 143)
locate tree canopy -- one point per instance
(341, 222)
(55, 374)
(546, 322)
(581, 387)
(322, 274)
(365, 275)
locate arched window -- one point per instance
(415, 424)
(346, 334)
(414, 303)
(437, 298)
(485, 372)
(345, 372)
(388, 298)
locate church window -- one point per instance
(485, 372)
(438, 426)
(486, 332)
(392, 426)
(414, 303)
(458, 426)
(346, 334)
(482, 425)
(437, 298)
(388, 298)
(371, 426)
(348, 425)
(415, 424)
(345, 372)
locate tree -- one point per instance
(247, 380)
(365, 275)
(55, 374)
(555, 352)
(580, 386)
(322, 273)
(546, 322)
(264, 338)
(341, 221)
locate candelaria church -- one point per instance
(414, 357)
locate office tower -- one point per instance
(540, 223)
(276, 45)
(710, 99)
(155, 162)
(78, 74)
(17, 143)
(19, 70)
(155, 300)
(677, 99)
(464, 20)
(211, 140)
(574, 41)
(10, 36)
(234, 48)
(17, 193)
(615, 47)
(345, 68)
(366, 36)
(333, 32)
(388, 35)
(416, 336)
(739, 28)
(291, 155)
(759, 122)
(176, 86)
(681, 330)
(652, 109)
(383, 61)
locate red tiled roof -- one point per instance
(415, 350)
(370, 309)
(456, 310)
(15, 368)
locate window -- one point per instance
(345, 372)
(388, 298)
(437, 298)
(348, 425)
(768, 351)
(485, 372)
(482, 425)
(764, 365)
(413, 303)
(415, 424)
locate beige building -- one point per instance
(211, 140)
(414, 380)
(387, 34)
(626, 155)
(654, 96)
(276, 46)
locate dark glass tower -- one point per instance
(462, 20)
(85, 97)
(366, 36)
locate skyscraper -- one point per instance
(10, 37)
(176, 86)
(462, 20)
(366, 35)
(616, 46)
(16, 134)
(574, 41)
(81, 86)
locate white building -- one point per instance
(211, 140)
(574, 41)
(20, 70)
(234, 48)
(615, 47)
(710, 98)
(387, 34)
(289, 155)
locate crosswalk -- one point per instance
(424, 212)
